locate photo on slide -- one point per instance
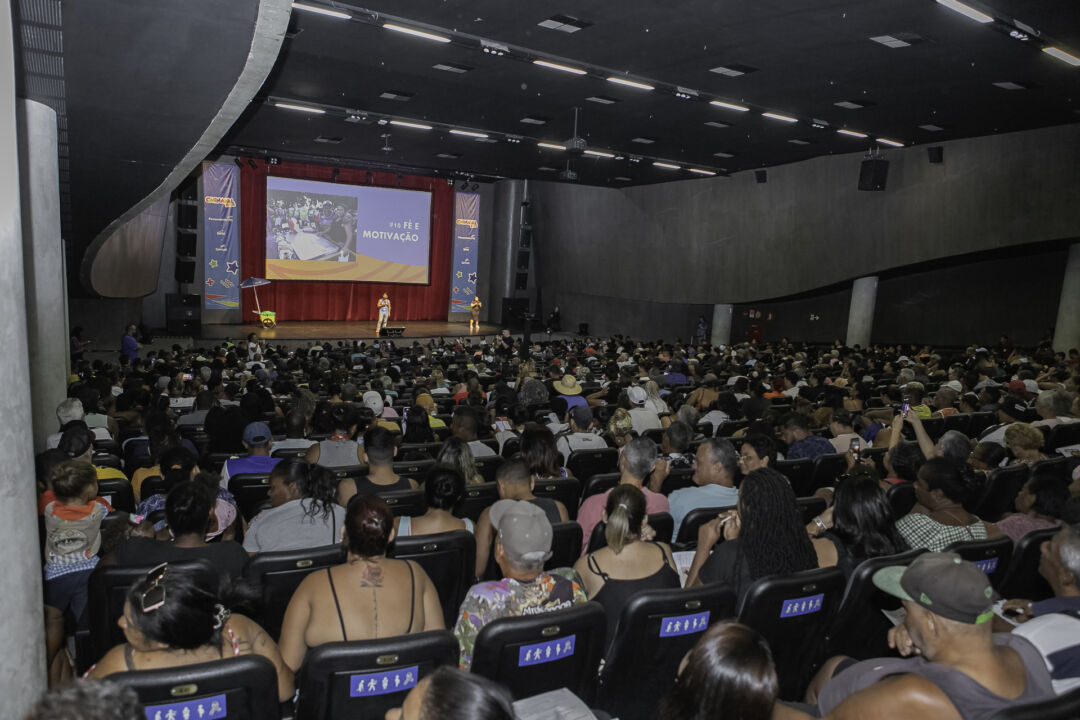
(310, 226)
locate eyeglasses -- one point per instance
(153, 597)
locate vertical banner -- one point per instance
(463, 265)
(221, 236)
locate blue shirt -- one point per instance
(811, 447)
(246, 464)
(711, 495)
(129, 346)
(1055, 605)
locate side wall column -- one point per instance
(721, 324)
(1067, 327)
(861, 312)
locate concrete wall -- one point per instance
(731, 240)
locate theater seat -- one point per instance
(278, 574)
(289, 452)
(565, 545)
(487, 466)
(792, 613)
(533, 654)
(656, 629)
(1063, 707)
(859, 629)
(827, 468)
(661, 523)
(414, 469)
(1022, 578)
(598, 484)
(406, 451)
(992, 556)
(692, 522)
(153, 485)
(511, 447)
(106, 591)
(999, 495)
(329, 683)
(477, 497)
(237, 688)
(1055, 467)
(901, 497)
(1063, 435)
(118, 493)
(405, 502)
(449, 559)
(677, 479)
(583, 464)
(252, 492)
(811, 507)
(565, 490)
(800, 474)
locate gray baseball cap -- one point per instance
(943, 583)
(523, 529)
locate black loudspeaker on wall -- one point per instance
(762, 176)
(183, 315)
(936, 154)
(873, 173)
(185, 271)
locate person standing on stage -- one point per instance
(474, 308)
(384, 313)
(129, 345)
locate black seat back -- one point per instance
(237, 688)
(449, 559)
(1062, 435)
(598, 484)
(153, 485)
(978, 423)
(292, 452)
(345, 679)
(118, 493)
(991, 556)
(487, 466)
(1022, 579)
(827, 468)
(1062, 707)
(565, 490)
(1002, 487)
(792, 613)
(414, 469)
(692, 522)
(566, 542)
(533, 654)
(661, 523)
(583, 464)
(405, 502)
(656, 629)
(106, 592)
(252, 492)
(901, 497)
(477, 497)
(278, 574)
(800, 474)
(1056, 467)
(811, 507)
(677, 479)
(415, 450)
(860, 628)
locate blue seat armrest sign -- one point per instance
(802, 606)
(546, 652)
(988, 565)
(684, 624)
(383, 683)
(208, 708)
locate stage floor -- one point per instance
(340, 330)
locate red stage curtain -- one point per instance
(303, 300)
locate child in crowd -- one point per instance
(72, 535)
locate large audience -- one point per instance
(798, 457)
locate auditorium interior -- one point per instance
(671, 246)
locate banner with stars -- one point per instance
(466, 252)
(221, 236)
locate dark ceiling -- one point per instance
(800, 58)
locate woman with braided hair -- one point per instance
(764, 536)
(630, 562)
(176, 616)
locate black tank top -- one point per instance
(550, 508)
(366, 487)
(617, 593)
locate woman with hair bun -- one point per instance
(175, 617)
(369, 596)
(614, 574)
(303, 510)
(728, 674)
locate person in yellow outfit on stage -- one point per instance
(474, 308)
(384, 313)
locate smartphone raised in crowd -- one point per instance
(906, 406)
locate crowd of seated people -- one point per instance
(751, 430)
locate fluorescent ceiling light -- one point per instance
(890, 42)
(723, 155)
(534, 120)
(301, 108)
(797, 141)
(1062, 56)
(886, 141)
(452, 67)
(468, 133)
(416, 33)
(713, 123)
(666, 166)
(644, 140)
(1008, 85)
(413, 125)
(931, 128)
(730, 72)
(630, 83)
(848, 105)
(550, 146)
(599, 153)
(623, 178)
(322, 11)
(967, 11)
(781, 118)
(449, 156)
(545, 168)
(602, 99)
(557, 66)
(699, 171)
(851, 133)
(728, 106)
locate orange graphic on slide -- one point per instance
(364, 269)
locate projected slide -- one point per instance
(327, 231)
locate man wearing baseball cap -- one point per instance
(580, 436)
(642, 417)
(257, 439)
(522, 545)
(953, 666)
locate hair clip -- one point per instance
(221, 615)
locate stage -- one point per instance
(340, 330)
